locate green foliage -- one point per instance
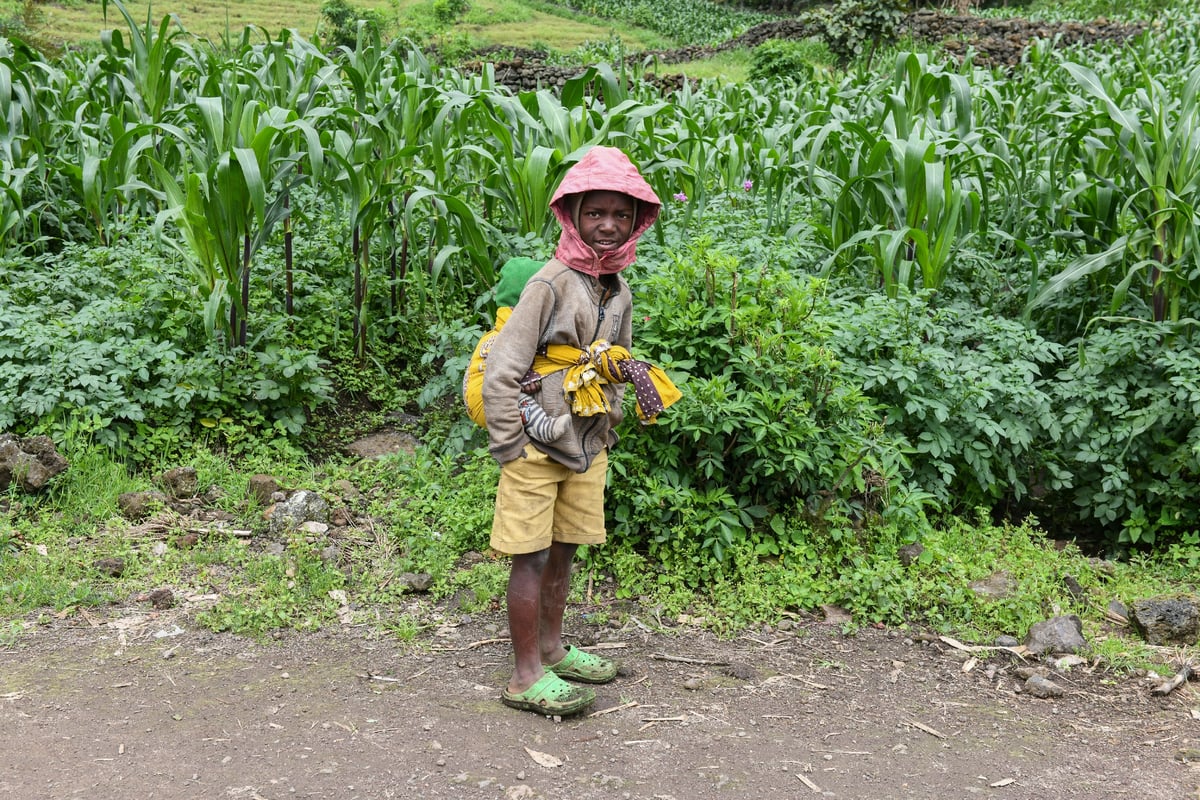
(450, 349)
(855, 28)
(447, 12)
(964, 388)
(1102, 9)
(96, 338)
(346, 20)
(593, 51)
(1144, 154)
(954, 557)
(859, 570)
(684, 21)
(434, 508)
(417, 180)
(291, 590)
(1129, 406)
(784, 59)
(767, 420)
(24, 20)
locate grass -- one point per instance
(423, 512)
(504, 22)
(731, 66)
(81, 21)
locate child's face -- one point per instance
(605, 220)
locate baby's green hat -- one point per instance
(515, 273)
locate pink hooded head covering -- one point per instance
(601, 169)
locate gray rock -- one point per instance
(161, 598)
(1167, 620)
(348, 491)
(1037, 686)
(742, 672)
(1007, 641)
(303, 506)
(135, 506)
(262, 487)
(417, 581)
(995, 587)
(383, 443)
(1118, 609)
(112, 567)
(28, 463)
(909, 553)
(1057, 635)
(180, 482)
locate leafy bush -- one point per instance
(343, 20)
(962, 386)
(767, 422)
(108, 339)
(854, 28)
(785, 59)
(1130, 405)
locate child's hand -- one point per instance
(531, 383)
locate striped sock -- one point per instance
(540, 426)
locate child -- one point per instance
(550, 498)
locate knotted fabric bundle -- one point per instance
(587, 371)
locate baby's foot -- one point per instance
(540, 426)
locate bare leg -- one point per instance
(556, 583)
(524, 612)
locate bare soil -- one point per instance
(130, 703)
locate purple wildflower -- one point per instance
(680, 197)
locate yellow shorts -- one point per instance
(539, 501)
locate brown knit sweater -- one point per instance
(559, 305)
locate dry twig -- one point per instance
(1181, 677)
(685, 660)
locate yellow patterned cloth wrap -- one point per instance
(587, 371)
(473, 380)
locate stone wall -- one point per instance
(996, 43)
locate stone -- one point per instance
(1063, 634)
(1118, 609)
(383, 443)
(180, 482)
(30, 463)
(161, 598)
(136, 506)
(347, 491)
(909, 553)
(996, 586)
(1167, 620)
(416, 581)
(742, 672)
(262, 487)
(1038, 686)
(111, 567)
(303, 506)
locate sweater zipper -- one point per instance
(604, 297)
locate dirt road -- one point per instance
(144, 706)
